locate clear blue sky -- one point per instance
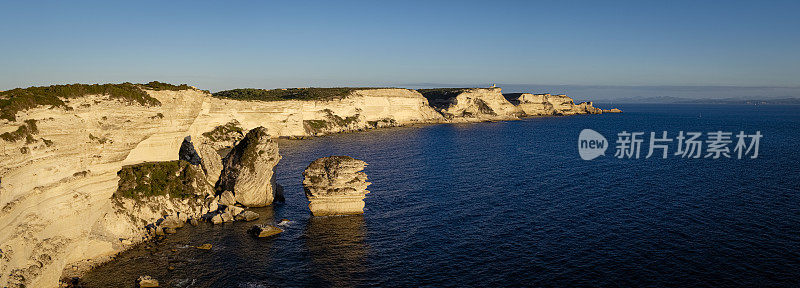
(230, 44)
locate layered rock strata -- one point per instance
(547, 104)
(248, 171)
(471, 104)
(336, 185)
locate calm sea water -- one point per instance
(512, 204)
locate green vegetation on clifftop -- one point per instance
(307, 94)
(441, 93)
(159, 86)
(21, 99)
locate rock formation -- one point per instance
(532, 104)
(471, 104)
(187, 152)
(157, 196)
(265, 230)
(335, 186)
(210, 161)
(249, 169)
(146, 281)
(547, 104)
(247, 216)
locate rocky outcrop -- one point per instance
(612, 110)
(146, 281)
(264, 230)
(248, 171)
(547, 104)
(532, 104)
(247, 216)
(187, 152)
(157, 198)
(210, 161)
(471, 104)
(335, 186)
(206, 157)
(582, 108)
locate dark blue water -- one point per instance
(512, 204)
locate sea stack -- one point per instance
(249, 169)
(336, 186)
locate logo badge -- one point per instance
(591, 144)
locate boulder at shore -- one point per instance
(146, 281)
(336, 186)
(249, 169)
(265, 230)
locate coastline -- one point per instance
(146, 134)
(79, 269)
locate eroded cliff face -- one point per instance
(361, 110)
(56, 188)
(472, 104)
(547, 104)
(59, 166)
(152, 193)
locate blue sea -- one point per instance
(513, 204)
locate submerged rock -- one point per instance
(247, 216)
(249, 169)
(147, 281)
(336, 186)
(265, 230)
(206, 246)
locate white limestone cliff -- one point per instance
(547, 104)
(472, 104)
(56, 187)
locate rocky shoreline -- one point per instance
(85, 180)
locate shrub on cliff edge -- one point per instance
(20, 99)
(308, 94)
